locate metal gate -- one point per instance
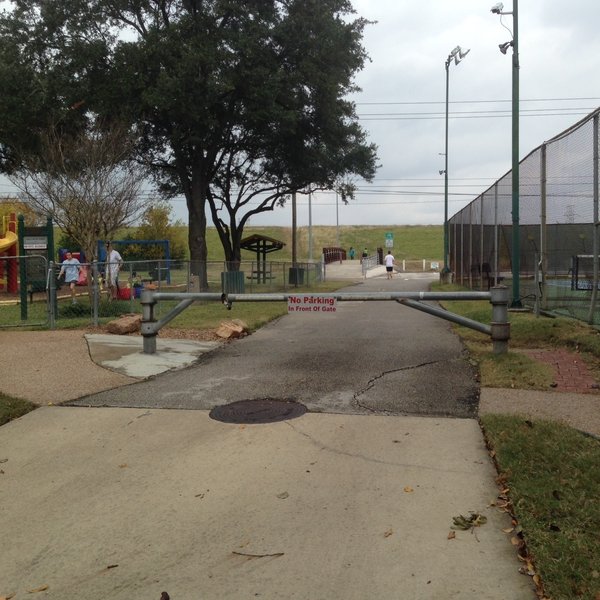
(498, 330)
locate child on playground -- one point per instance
(70, 268)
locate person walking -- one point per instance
(365, 254)
(114, 262)
(390, 261)
(70, 269)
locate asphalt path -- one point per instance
(369, 357)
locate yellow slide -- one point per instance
(8, 241)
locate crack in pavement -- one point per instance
(371, 384)
(377, 461)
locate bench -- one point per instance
(260, 275)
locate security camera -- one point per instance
(497, 8)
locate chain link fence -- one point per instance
(46, 300)
(558, 228)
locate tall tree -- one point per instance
(210, 87)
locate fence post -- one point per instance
(52, 303)
(95, 292)
(148, 303)
(500, 324)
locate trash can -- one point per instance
(296, 276)
(232, 282)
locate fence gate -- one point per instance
(499, 330)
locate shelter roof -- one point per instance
(263, 243)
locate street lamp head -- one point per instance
(504, 47)
(461, 54)
(457, 55)
(497, 8)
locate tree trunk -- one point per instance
(196, 203)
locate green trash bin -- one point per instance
(296, 276)
(232, 282)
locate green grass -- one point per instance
(552, 473)
(410, 242)
(526, 331)
(13, 408)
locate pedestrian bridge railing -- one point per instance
(498, 330)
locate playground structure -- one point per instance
(8, 249)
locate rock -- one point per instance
(125, 324)
(235, 328)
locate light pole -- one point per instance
(456, 55)
(498, 9)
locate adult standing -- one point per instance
(114, 262)
(70, 268)
(390, 261)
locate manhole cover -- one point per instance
(265, 410)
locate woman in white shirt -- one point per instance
(114, 262)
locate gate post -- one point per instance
(148, 332)
(500, 324)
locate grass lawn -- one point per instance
(13, 408)
(552, 473)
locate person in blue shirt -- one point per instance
(70, 268)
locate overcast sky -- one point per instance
(559, 52)
(402, 103)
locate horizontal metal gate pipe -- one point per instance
(343, 296)
(448, 316)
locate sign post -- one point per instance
(389, 240)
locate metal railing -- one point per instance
(499, 330)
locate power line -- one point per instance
(423, 102)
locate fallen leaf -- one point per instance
(408, 489)
(42, 588)
(283, 495)
(3, 460)
(7, 597)
(123, 466)
(508, 530)
(515, 541)
(388, 533)
(451, 535)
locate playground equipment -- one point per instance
(8, 241)
(8, 249)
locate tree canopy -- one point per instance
(235, 103)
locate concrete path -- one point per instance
(126, 503)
